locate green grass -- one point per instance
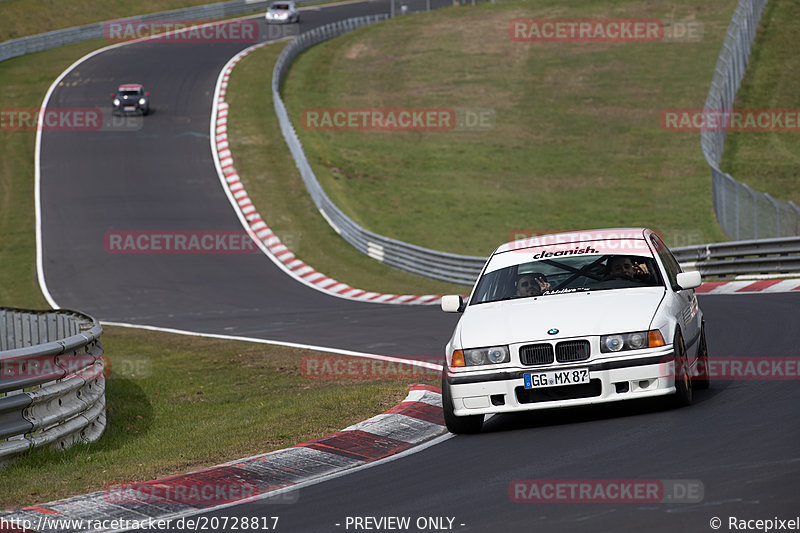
(19, 18)
(23, 84)
(276, 188)
(577, 141)
(201, 401)
(178, 403)
(768, 161)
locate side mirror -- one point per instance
(689, 280)
(452, 303)
(112, 95)
(147, 94)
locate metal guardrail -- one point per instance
(52, 388)
(53, 39)
(465, 269)
(409, 257)
(763, 256)
(741, 211)
(737, 218)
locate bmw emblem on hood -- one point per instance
(552, 331)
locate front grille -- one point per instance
(565, 392)
(569, 351)
(536, 354)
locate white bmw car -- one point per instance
(574, 319)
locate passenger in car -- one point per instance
(532, 284)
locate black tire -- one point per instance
(703, 377)
(459, 425)
(683, 377)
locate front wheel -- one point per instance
(458, 424)
(683, 374)
(703, 379)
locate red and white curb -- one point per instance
(749, 286)
(275, 477)
(258, 229)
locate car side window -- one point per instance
(671, 265)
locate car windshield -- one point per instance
(280, 7)
(562, 275)
(129, 92)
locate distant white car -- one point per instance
(282, 13)
(574, 319)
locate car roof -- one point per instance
(574, 237)
(130, 86)
(614, 241)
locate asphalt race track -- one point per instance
(739, 440)
(161, 177)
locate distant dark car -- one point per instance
(282, 13)
(131, 98)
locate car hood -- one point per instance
(573, 315)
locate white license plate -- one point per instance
(556, 378)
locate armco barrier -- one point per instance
(764, 256)
(741, 211)
(411, 258)
(52, 388)
(737, 216)
(777, 218)
(53, 39)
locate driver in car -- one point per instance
(624, 267)
(533, 284)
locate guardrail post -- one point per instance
(777, 213)
(796, 210)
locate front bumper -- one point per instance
(137, 108)
(611, 380)
(283, 20)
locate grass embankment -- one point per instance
(576, 142)
(769, 161)
(273, 182)
(29, 17)
(200, 401)
(177, 403)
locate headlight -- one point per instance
(631, 341)
(481, 356)
(116, 101)
(142, 101)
